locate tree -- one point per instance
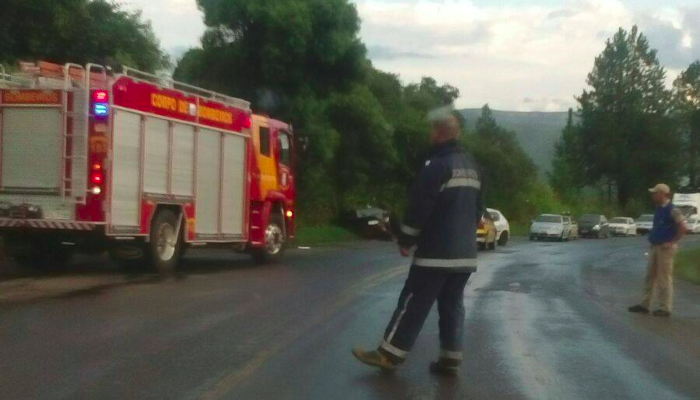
(509, 172)
(625, 135)
(300, 61)
(78, 31)
(566, 178)
(686, 89)
(270, 51)
(428, 95)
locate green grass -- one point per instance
(326, 234)
(688, 265)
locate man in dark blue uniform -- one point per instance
(446, 204)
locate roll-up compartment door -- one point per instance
(126, 175)
(32, 143)
(183, 160)
(208, 181)
(157, 146)
(233, 185)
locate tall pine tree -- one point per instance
(686, 89)
(626, 137)
(566, 178)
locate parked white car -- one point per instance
(551, 226)
(502, 226)
(693, 224)
(623, 226)
(573, 227)
(645, 223)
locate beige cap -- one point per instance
(660, 188)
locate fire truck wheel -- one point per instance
(164, 247)
(275, 242)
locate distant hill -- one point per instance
(536, 131)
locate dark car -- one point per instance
(371, 223)
(594, 225)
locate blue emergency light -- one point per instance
(101, 110)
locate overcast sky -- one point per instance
(525, 55)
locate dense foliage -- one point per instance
(510, 174)
(77, 31)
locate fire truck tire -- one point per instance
(164, 250)
(275, 242)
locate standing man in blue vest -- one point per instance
(445, 207)
(664, 236)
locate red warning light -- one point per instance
(96, 178)
(100, 96)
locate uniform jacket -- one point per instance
(445, 207)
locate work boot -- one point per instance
(662, 313)
(374, 359)
(445, 367)
(640, 309)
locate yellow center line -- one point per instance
(235, 377)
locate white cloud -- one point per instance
(505, 55)
(177, 23)
(494, 53)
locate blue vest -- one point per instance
(664, 229)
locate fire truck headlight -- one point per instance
(96, 190)
(290, 213)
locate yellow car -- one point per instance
(486, 234)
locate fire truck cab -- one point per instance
(137, 165)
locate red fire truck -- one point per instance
(137, 165)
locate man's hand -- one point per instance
(405, 251)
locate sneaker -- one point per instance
(374, 359)
(662, 313)
(638, 309)
(444, 368)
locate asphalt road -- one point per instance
(544, 321)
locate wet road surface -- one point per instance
(544, 321)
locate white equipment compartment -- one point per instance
(208, 181)
(156, 163)
(183, 160)
(31, 149)
(126, 171)
(233, 191)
